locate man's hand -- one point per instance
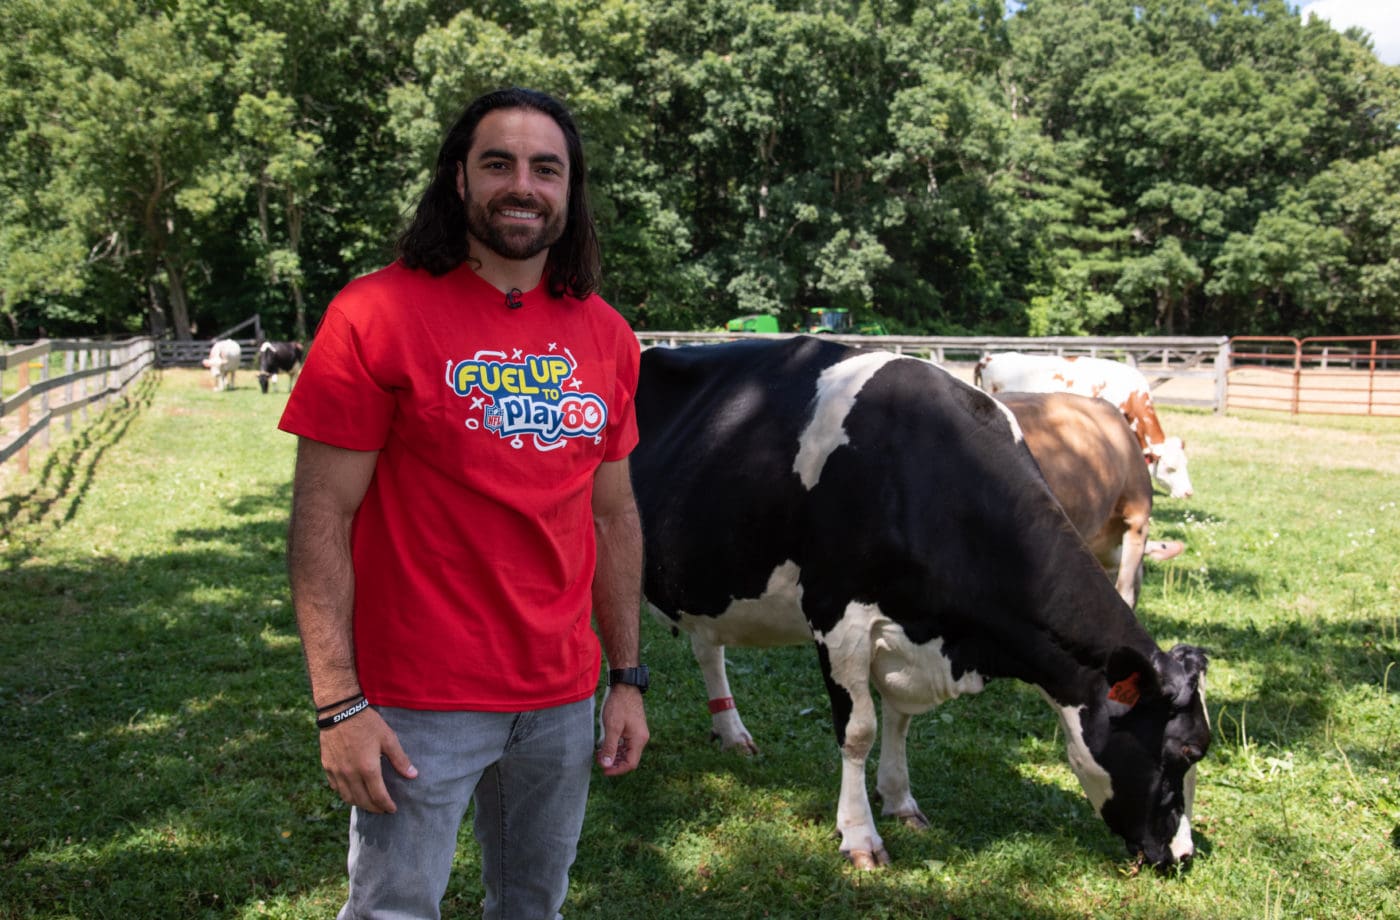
(350, 754)
(624, 730)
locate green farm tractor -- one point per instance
(838, 320)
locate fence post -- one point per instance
(45, 436)
(1371, 381)
(68, 391)
(82, 366)
(106, 379)
(24, 418)
(1297, 375)
(1222, 376)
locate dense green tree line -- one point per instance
(1083, 166)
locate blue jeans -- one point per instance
(527, 774)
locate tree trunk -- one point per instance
(299, 322)
(1165, 315)
(294, 214)
(154, 311)
(179, 303)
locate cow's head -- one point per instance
(1168, 462)
(1135, 749)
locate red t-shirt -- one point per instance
(473, 548)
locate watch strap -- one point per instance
(639, 677)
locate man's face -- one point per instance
(514, 183)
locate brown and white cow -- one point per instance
(883, 511)
(224, 358)
(1093, 464)
(1119, 384)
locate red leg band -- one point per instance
(721, 704)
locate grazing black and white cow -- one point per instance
(277, 358)
(797, 491)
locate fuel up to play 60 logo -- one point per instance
(536, 395)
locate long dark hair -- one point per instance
(436, 237)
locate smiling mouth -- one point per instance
(519, 215)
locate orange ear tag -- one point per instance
(1125, 691)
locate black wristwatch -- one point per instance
(638, 677)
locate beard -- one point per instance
(514, 241)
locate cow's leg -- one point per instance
(725, 723)
(892, 779)
(1130, 555)
(845, 662)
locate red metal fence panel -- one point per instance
(1336, 375)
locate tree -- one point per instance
(1198, 117)
(128, 111)
(1085, 166)
(1326, 260)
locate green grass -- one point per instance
(159, 759)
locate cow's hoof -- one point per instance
(868, 861)
(917, 821)
(1161, 550)
(743, 745)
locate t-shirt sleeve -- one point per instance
(622, 427)
(337, 398)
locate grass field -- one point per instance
(160, 762)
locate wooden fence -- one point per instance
(92, 373)
(1349, 375)
(192, 352)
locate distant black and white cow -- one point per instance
(224, 358)
(277, 358)
(797, 491)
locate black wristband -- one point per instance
(333, 721)
(639, 677)
(339, 703)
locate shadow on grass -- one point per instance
(67, 475)
(1301, 669)
(713, 831)
(162, 761)
(1300, 674)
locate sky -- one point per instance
(1381, 18)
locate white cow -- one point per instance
(1123, 386)
(223, 361)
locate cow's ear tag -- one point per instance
(1126, 691)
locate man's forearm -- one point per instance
(617, 585)
(328, 487)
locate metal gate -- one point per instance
(1340, 375)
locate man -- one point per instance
(461, 504)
